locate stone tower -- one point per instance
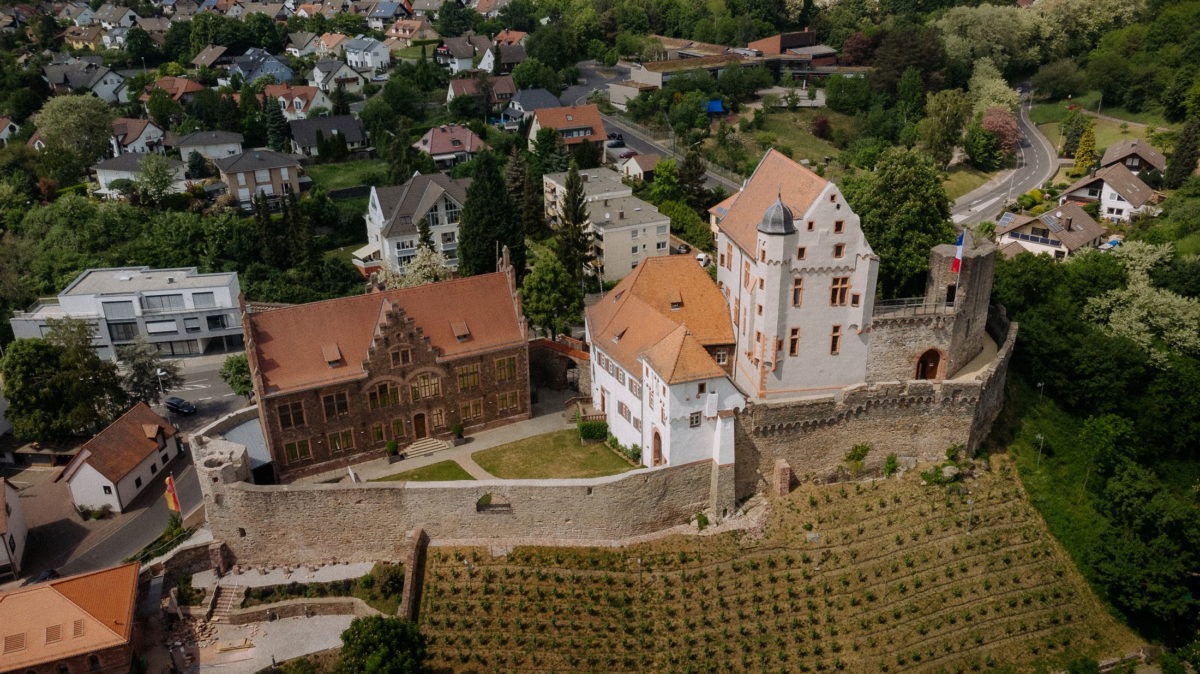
(219, 463)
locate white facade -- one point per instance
(105, 178)
(90, 489)
(15, 532)
(351, 81)
(149, 141)
(801, 302)
(110, 88)
(397, 251)
(211, 151)
(373, 55)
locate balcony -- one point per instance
(912, 306)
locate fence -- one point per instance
(912, 306)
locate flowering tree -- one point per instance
(1003, 125)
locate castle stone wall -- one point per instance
(897, 344)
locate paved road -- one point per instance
(1037, 162)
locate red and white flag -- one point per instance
(957, 264)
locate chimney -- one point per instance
(1067, 223)
(620, 215)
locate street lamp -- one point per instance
(159, 374)
(1040, 385)
(1041, 442)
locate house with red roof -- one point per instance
(450, 145)
(575, 123)
(118, 463)
(138, 136)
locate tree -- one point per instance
(139, 46)
(1072, 127)
(1085, 152)
(487, 221)
(946, 113)
(905, 212)
(197, 167)
(692, 174)
(339, 100)
(550, 154)
(551, 296)
(910, 96)
(988, 89)
(404, 160)
(1003, 125)
(382, 644)
(235, 372)
(278, 131)
(533, 74)
(533, 213)
(147, 376)
(982, 148)
(1006, 35)
(847, 94)
(665, 186)
(857, 50)
(454, 19)
(58, 386)
(1182, 162)
(156, 178)
(76, 127)
(574, 242)
(163, 110)
(1059, 79)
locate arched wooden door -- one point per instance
(419, 426)
(928, 364)
(657, 455)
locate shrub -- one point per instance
(701, 521)
(821, 127)
(854, 458)
(392, 448)
(457, 430)
(593, 430)
(890, 465)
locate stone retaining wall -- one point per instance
(303, 607)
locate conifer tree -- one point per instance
(549, 152)
(533, 204)
(574, 240)
(691, 180)
(1072, 128)
(487, 220)
(277, 128)
(1182, 163)
(1085, 153)
(425, 237)
(339, 101)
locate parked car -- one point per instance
(616, 142)
(179, 406)
(683, 249)
(48, 574)
(627, 155)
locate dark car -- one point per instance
(615, 136)
(683, 249)
(179, 406)
(616, 142)
(627, 155)
(48, 574)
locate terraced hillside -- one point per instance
(886, 575)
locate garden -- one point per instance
(380, 589)
(887, 575)
(561, 454)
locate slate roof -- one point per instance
(304, 131)
(534, 99)
(1068, 223)
(118, 449)
(361, 43)
(1119, 151)
(208, 138)
(325, 69)
(404, 205)
(76, 75)
(257, 62)
(1122, 181)
(255, 160)
(291, 357)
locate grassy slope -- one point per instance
(552, 455)
(903, 578)
(346, 174)
(962, 179)
(434, 472)
(1054, 111)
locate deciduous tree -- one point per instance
(382, 645)
(1003, 125)
(76, 127)
(551, 296)
(155, 179)
(146, 375)
(235, 372)
(946, 112)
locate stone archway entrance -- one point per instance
(419, 426)
(929, 365)
(657, 456)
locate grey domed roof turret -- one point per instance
(777, 219)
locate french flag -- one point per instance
(957, 264)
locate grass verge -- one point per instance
(962, 179)
(346, 174)
(442, 471)
(1107, 133)
(552, 455)
(1055, 111)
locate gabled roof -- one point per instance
(154, 24)
(459, 47)
(255, 61)
(573, 117)
(361, 43)
(131, 162)
(1134, 146)
(326, 69)
(208, 138)
(300, 40)
(404, 205)
(663, 294)
(254, 160)
(1121, 180)
(291, 93)
(76, 74)
(408, 27)
(449, 139)
(128, 129)
(510, 36)
(1067, 223)
(209, 55)
(91, 612)
(330, 40)
(118, 449)
(290, 356)
(503, 87)
(176, 87)
(775, 176)
(511, 54)
(645, 162)
(535, 99)
(304, 131)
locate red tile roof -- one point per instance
(289, 93)
(289, 353)
(118, 449)
(128, 129)
(509, 36)
(776, 176)
(442, 140)
(573, 117)
(177, 87)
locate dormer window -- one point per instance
(461, 332)
(331, 353)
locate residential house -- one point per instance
(88, 75)
(624, 229)
(256, 63)
(302, 44)
(122, 460)
(523, 104)
(1119, 193)
(510, 37)
(1061, 233)
(297, 101)
(576, 124)
(129, 167)
(428, 8)
(180, 89)
(80, 14)
(450, 145)
(327, 75)
(408, 31)
(1136, 154)
(459, 53)
(7, 129)
(307, 134)
(212, 56)
(395, 366)
(179, 311)
(36, 141)
(180, 10)
(500, 90)
(84, 37)
(386, 13)
(490, 9)
(154, 24)
(662, 347)
(502, 58)
(329, 45)
(265, 173)
(639, 167)
(393, 215)
(367, 53)
(212, 145)
(136, 135)
(81, 623)
(13, 530)
(115, 38)
(115, 16)
(276, 11)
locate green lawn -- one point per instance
(793, 130)
(962, 179)
(553, 455)
(441, 471)
(344, 253)
(1107, 133)
(346, 174)
(1055, 111)
(1188, 245)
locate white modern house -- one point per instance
(13, 530)
(329, 74)
(211, 145)
(118, 463)
(179, 311)
(1120, 194)
(129, 167)
(367, 53)
(662, 351)
(138, 136)
(1060, 233)
(393, 216)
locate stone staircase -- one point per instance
(424, 446)
(228, 599)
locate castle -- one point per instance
(777, 369)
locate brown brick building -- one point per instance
(337, 380)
